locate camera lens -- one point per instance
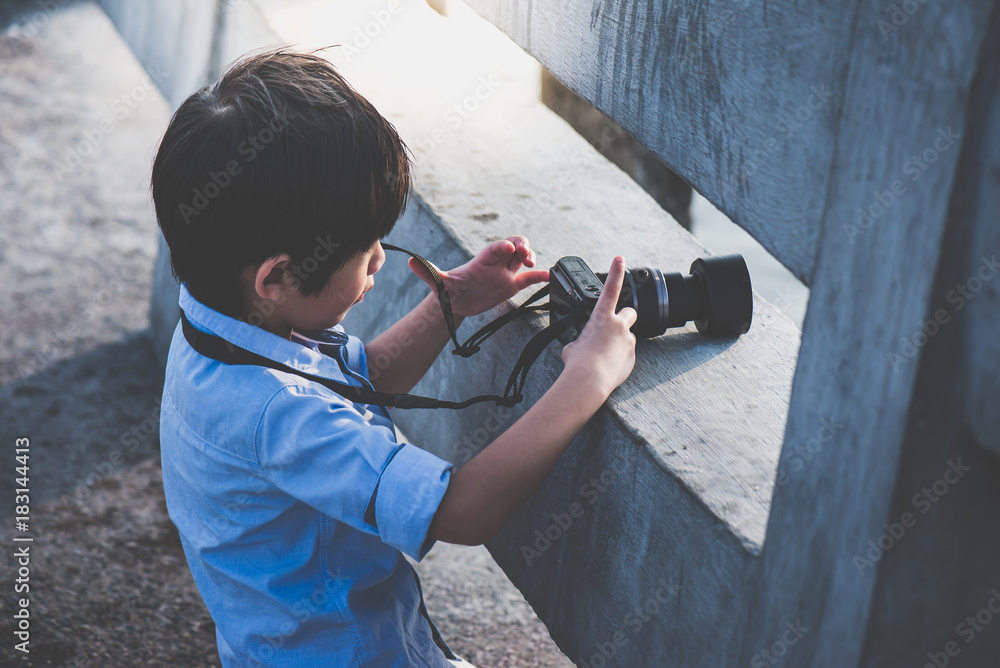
(716, 295)
(645, 290)
(728, 307)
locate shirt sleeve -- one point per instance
(321, 451)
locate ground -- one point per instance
(109, 586)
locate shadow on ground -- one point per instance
(109, 585)
(87, 417)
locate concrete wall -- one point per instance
(707, 515)
(668, 189)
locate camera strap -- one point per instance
(221, 350)
(444, 298)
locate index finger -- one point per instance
(612, 287)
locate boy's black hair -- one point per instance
(280, 155)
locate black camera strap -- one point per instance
(471, 345)
(221, 350)
(444, 298)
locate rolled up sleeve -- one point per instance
(409, 493)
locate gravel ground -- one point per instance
(79, 121)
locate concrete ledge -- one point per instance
(712, 412)
(669, 487)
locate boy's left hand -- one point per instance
(489, 278)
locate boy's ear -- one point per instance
(271, 278)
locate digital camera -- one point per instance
(716, 295)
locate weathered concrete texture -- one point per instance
(738, 98)
(941, 568)
(109, 585)
(977, 288)
(508, 165)
(872, 287)
(943, 523)
(862, 432)
(668, 189)
(76, 249)
(173, 41)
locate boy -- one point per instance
(273, 188)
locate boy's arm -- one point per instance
(401, 355)
(483, 494)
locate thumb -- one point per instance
(421, 272)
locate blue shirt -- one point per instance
(268, 477)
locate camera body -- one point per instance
(717, 295)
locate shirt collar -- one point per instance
(262, 342)
(335, 336)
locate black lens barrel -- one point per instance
(716, 295)
(728, 296)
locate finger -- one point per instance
(612, 287)
(526, 278)
(496, 252)
(629, 314)
(515, 263)
(522, 250)
(518, 241)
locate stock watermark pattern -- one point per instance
(787, 126)
(454, 118)
(216, 182)
(923, 500)
(779, 648)
(967, 630)
(561, 523)
(29, 26)
(54, 342)
(636, 619)
(309, 606)
(121, 108)
(806, 451)
(899, 14)
(548, 195)
(131, 440)
(363, 35)
(958, 296)
(914, 168)
(472, 444)
(22, 553)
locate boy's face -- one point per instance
(346, 288)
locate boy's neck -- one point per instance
(284, 331)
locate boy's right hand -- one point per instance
(484, 494)
(605, 349)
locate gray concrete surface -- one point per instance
(78, 375)
(695, 432)
(78, 125)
